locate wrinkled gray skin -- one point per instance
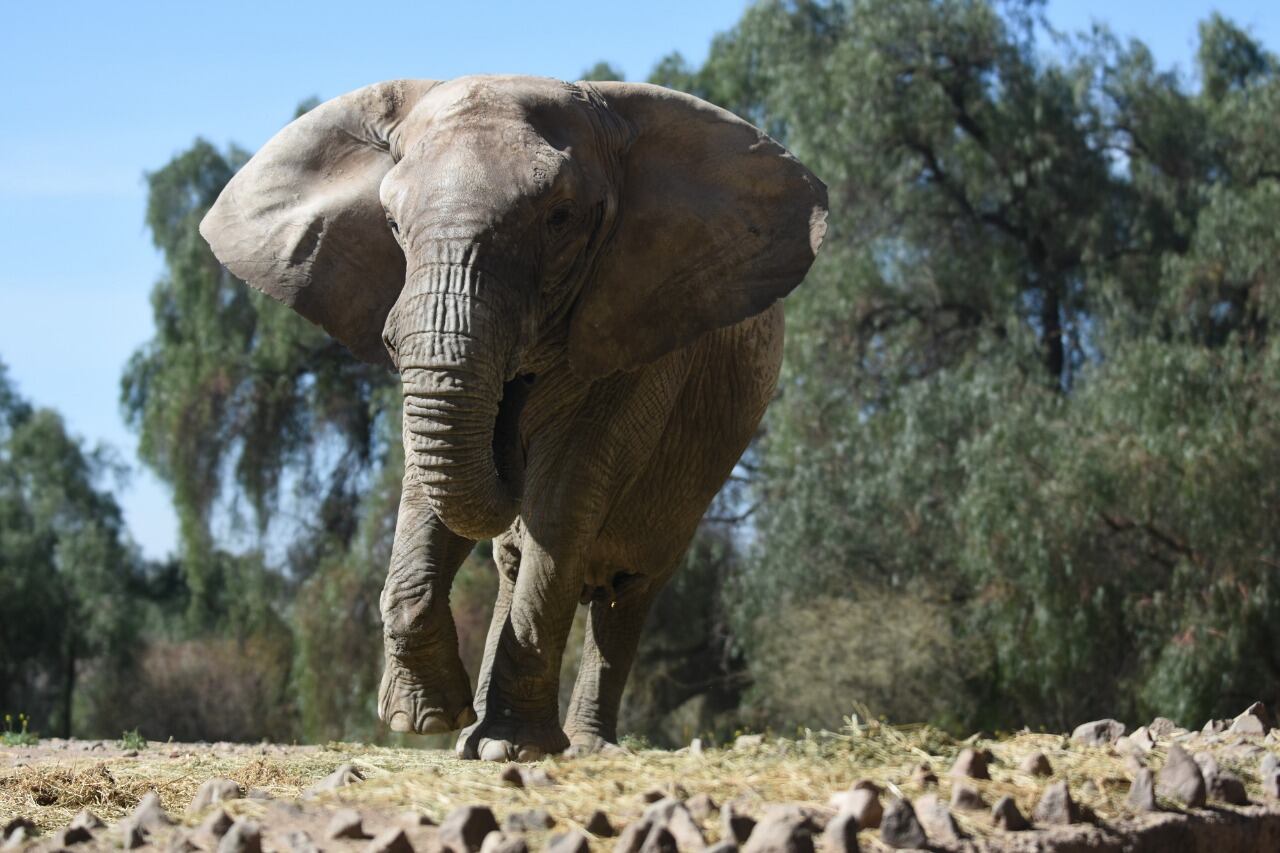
(578, 285)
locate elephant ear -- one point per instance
(303, 223)
(716, 222)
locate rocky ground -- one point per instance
(872, 787)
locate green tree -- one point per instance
(67, 569)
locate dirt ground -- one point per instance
(410, 791)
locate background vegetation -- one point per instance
(1021, 471)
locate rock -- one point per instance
(1214, 727)
(343, 775)
(569, 842)
(672, 814)
(132, 835)
(923, 775)
(900, 828)
(88, 820)
(1271, 785)
(696, 747)
(1139, 739)
(735, 824)
(1036, 764)
(179, 842)
(149, 814)
(633, 837)
(300, 842)
(1005, 815)
(346, 823)
(1221, 784)
(1142, 791)
(972, 764)
(781, 831)
(1254, 720)
(217, 823)
(701, 806)
(936, 819)
(498, 842)
(722, 847)
(1099, 732)
(71, 835)
(244, 836)
(659, 840)
(1056, 806)
(412, 818)
(17, 824)
(862, 803)
(841, 834)
(213, 791)
(391, 840)
(748, 741)
(1269, 764)
(1162, 727)
(532, 820)
(465, 828)
(600, 825)
(1180, 779)
(512, 775)
(966, 798)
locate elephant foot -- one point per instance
(588, 743)
(511, 740)
(407, 702)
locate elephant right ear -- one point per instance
(303, 223)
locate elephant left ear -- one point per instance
(716, 222)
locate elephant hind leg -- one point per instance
(609, 649)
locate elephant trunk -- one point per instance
(461, 413)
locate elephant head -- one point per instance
(460, 231)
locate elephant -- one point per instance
(579, 285)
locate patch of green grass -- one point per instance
(132, 740)
(19, 736)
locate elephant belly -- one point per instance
(732, 377)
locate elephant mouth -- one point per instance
(508, 451)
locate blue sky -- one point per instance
(98, 93)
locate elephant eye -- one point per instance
(560, 216)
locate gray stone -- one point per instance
(1098, 732)
(633, 837)
(1142, 791)
(19, 823)
(346, 823)
(416, 818)
(300, 842)
(783, 831)
(498, 842)
(923, 775)
(132, 835)
(748, 741)
(391, 840)
(88, 820)
(532, 820)
(701, 806)
(1255, 720)
(936, 819)
(600, 825)
(900, 828)
(180, 842)
(149, 814)
(569, 842)
(72, 835)
(1162, 727)
(342, 776)
(841, 834)
(723, 847)
(214, 791)
(966, 798)
(659, 840)
(1180, 779)
(1228, 788)
(1005, 815)
(512, 775)
(1056, 806)
(736, 824)
(1269, 764)
(244, 836)
(971, 764)
(1271, 785)
(862, 803)
(217, 823)
(465, 828)
(1036, 764)
(1215, 727)
(675, 817)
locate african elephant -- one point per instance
(579, 285)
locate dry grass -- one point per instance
(805, 770)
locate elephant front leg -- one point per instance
(519, 684)
(425, 688)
